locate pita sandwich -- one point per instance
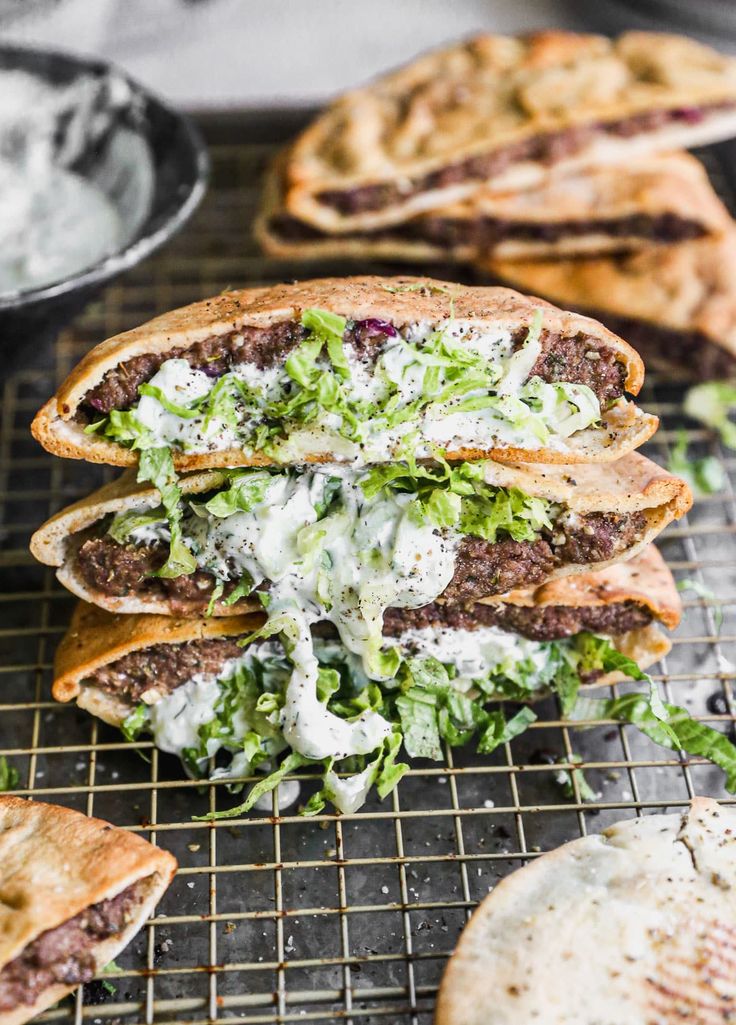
(109, 663)
(247, 526)
(349, 369)
(504, 113)
(676, 304)
(654, 200)
(631, 925)
(75, 890)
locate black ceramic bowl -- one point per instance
(137, 131)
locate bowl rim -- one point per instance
(143, 245)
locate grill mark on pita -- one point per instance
(696, 982)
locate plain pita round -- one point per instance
(633, 926)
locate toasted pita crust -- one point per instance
(645, 579)
(96, 638)
(624, 428)
(480, 96)
(54, 863)
(689, 288)
(632, 925)
(667, 184)
(633, 483)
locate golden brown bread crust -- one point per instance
(359, 298)
(689, 287)
(491, 92)
(54, 863)
(653, 185)
(644, 579)
(95, 638)
(632, 484)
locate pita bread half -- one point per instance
(402, 301)
(644, 579)
(55, 863)
(506, 113)
(97, 638)
(677, 303)
(658, 199)
(633, 484)
(633, 925)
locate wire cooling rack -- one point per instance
(273, 917)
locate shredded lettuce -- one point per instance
(706, 594)
(426, 711)
(156, 466)
(457, 495)
(711, 403)
(124, 523)
(415, 376)
(705, 475)
(567, 778)
(9, 775)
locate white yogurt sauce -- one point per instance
(53, 222)
(348, 568)
(398, 365)
(473, 653)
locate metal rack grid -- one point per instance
(274, 918)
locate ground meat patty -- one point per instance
(164, 666)
(693, 351)
(65, 954)
(571, 359)
(121, 570)
(265, 347)
(563, 359)
(481, 568)
(546, 148)
(485, 232)
(539, 624)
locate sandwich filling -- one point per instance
(483, 232)
(700, 354)
(360, 390)
(547, 148)
(227, 696)
(343, 546)
(66, 955)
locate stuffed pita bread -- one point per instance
(655, 200)
(353, 370)
(74, 888)
(676, 304)
(456, 533)
(504, 113)
(174, 678)
(631, 925)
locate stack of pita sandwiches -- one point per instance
(357, 512)
(553, 164)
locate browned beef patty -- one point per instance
(693, 351)
(563, 359)
(538, 624)
(167, 666)
(546, 148)
(484, 232)
(65, 954)
(264, 347)
(481, 568)
(164, 666)
(120, 570)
